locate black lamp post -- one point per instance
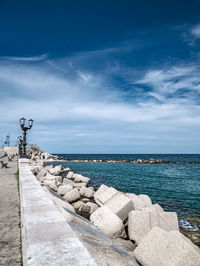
(24, 143)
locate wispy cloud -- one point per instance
(195, 31)
(24, 59)
(73, 104)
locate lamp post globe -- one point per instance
(23, 143)
(30, 123)
(22, 121)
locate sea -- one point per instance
(176, 187)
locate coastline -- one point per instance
(191, 234)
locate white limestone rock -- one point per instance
(79, 185)
(62, 190)
(139, 201)
(79, 178)
(138, 225)
(108, 222)
(141, 222)
(50, 177)
(86, 192)
(56, 170)
(78, 204)
(47, 183)
(67, 181)
(120, 205)
(93, 206)
(53, 185)
(42, 173)
(70, 175)
(162, 248)
(72, 195)
(103, 194)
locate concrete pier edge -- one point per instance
(47, 238)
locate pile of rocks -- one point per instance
(35, 153)
(123, 215)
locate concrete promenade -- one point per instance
(47, 239)
(9, 216)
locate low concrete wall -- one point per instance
(47, 239)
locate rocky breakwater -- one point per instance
(126, 221)
(36, 154)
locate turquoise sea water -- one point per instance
(176, 187)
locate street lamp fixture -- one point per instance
(24, 129)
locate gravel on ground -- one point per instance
(10, 253)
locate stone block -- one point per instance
(93, 206)
(67, 181)
(162, 248)
(86, 192)
(108, 222)
(139, 201)
(138, 225)
(79, 178)
(141, 222)
(62, 190)
(79, 185)
(70, 175)
(120, 205)
(72, 195)
(103, 194)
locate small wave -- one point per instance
(183, 223)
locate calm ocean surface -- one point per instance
(176, 187)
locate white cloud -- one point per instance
(195, 31)
(73, 105)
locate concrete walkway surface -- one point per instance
(10, 253)
(47, 239)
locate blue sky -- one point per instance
(102, 76)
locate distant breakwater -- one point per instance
(138, 161)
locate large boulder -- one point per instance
(93, 206)
(62, 190)
(162, 248)
(141, 222)
(53, 185)
(42, 173)
(49, 177)
(79, 185)
(78, 204)
(70, 175)
(120, 205)
(67, 181)
(79, 178)
(56, 170)
(86, 192)
(72, 195)
(108, 222)
(103, 194)
(139, 201)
